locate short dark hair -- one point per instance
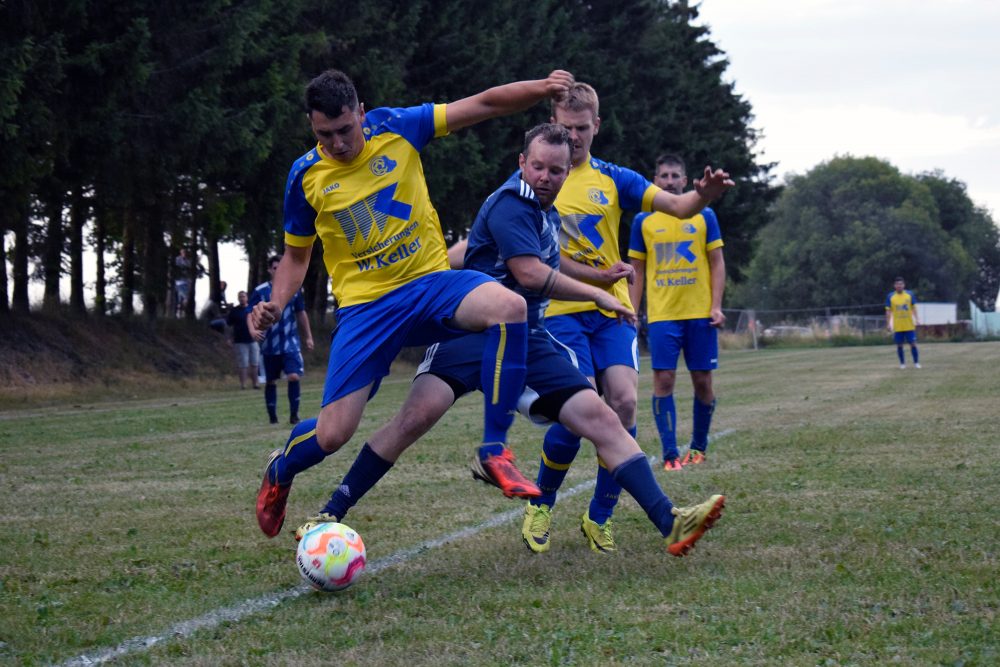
(273, 259)
(671, 158)
(899, 279)
(550, 133)
(330, 92)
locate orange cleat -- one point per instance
(501, 472)
(672, 464)
(693, 457)
(272, 499)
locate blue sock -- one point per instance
(302, 451)
(558, 451)
(636, 477)
(701, 422)
(916, 355)
(502, 377)
(665, 416)
(606, 490)
(271, 401)
(294, 391)
(899, 353)
(368, 468)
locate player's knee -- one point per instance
(294, 377)
(331, 439)
(509, 307)
(592, 418)
(624, 405)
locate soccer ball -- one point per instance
(331, 556)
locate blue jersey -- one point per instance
(283, 336)
(511, 223)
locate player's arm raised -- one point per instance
(506, 99)
(708, 188)
(287, 281)
(531, 273)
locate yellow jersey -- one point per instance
(373, 215)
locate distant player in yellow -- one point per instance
(901, 319)
(680, 264)
(361, 190)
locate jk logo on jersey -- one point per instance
(372, 211)
(668, 252)
(576, 225)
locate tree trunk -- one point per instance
(100, 283)
(214, 273)
(52, 255)
(77, 219)
(154, 264)
(4, 301)
(19, 269)
(128, 261)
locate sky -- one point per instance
(915, 83)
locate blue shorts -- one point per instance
(595, 340)
(288, 363)
(368, 336)
(550, 381)
(905, 337)
(698, 339)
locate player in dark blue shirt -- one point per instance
(515, 239)
(280, 349)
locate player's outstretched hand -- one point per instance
(624, 313)
(713, 184)
(616, 272)
(264, 314)
(557, 84)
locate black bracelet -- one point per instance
(550, 283)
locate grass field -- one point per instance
(861, 529)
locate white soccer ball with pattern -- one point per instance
(331, 556)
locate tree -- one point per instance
(975, 230)
(840, 233)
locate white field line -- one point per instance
(242, 610)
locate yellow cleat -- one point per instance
(312, 522)
(690, 523)
(598, 535)
(535, 529)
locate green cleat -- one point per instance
(535, 529)
(598, 535)
(312, 522)
(690, 523)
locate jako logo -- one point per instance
(330, 188)
(381, 165)
(597, 197)
(689, 228)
